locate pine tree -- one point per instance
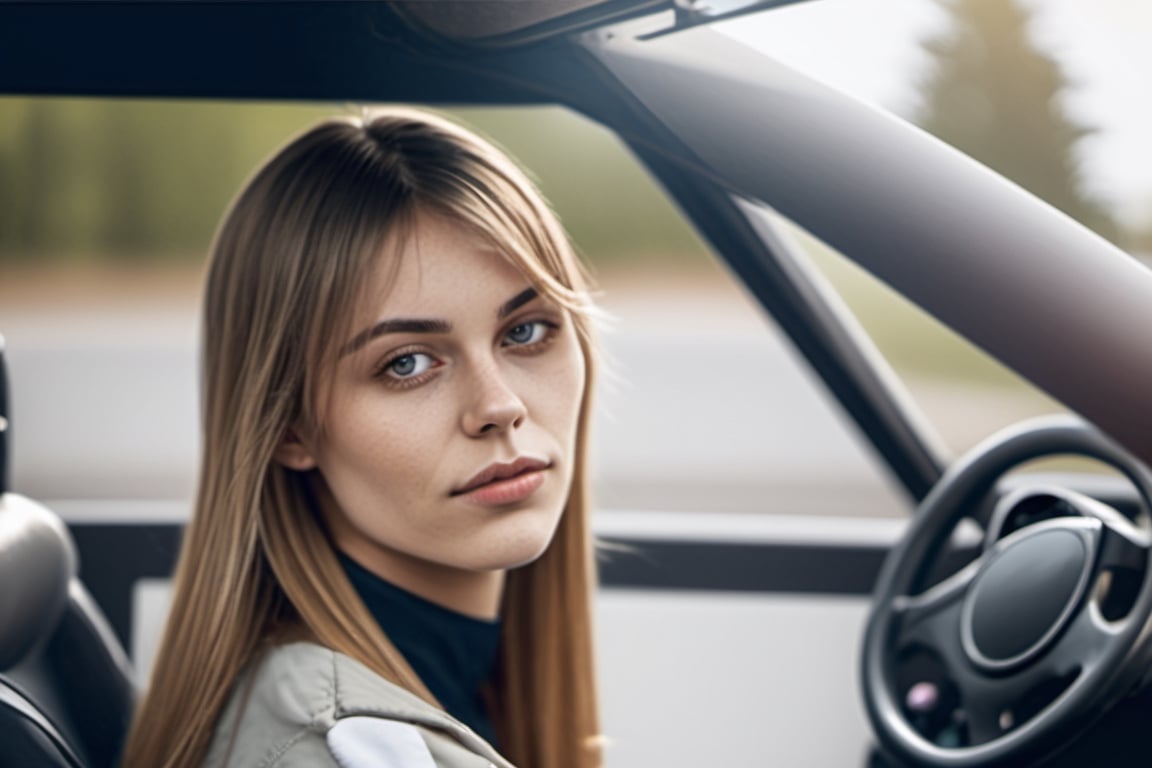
(994, 94)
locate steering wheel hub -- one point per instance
(1023, 597)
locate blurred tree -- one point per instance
(85, 179)
(610, 206)
(994, 94)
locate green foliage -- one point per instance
(608, 203)
(84, 179)
(994, 94)
(81, 179)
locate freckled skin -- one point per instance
(402, 434)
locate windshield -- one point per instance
(1068, 134)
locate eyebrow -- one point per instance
(421, 325)
(517, 301)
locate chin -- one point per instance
(508, 549)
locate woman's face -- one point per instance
(450, 421)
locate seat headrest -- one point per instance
(37, 562)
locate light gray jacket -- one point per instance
(304, 705)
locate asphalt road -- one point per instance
(702, 407)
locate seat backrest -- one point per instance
(57, 653)
(29, 739)
(66, 688)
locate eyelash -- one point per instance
(528, 348)
(550, 329)
(382, 373)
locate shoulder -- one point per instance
(303, 704)
(308, 684)
(282, 703)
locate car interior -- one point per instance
(1041, 618)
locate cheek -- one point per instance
(578, 394)
(374, 447)
(567, 390)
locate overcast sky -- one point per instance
(870, 48)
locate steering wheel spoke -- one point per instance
(1082, 645)
(994, 705)
(1122, 547)
(932, 618)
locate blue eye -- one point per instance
(409, 365)
(527, 333)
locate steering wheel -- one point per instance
(1028, 644)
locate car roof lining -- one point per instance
(476, 20)
(266, 51)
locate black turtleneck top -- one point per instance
(454, 654)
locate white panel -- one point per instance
(693, 679)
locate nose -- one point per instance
(494, 406)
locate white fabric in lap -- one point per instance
(374, 742)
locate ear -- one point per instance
(294, 453)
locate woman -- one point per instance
(390, 551)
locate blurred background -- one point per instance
(107, 209)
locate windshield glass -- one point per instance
(1044, 93)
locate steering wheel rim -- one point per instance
(1117, 650)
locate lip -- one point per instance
(505, 482)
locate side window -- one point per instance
(703, 405)
(106, 211)
(965, 394)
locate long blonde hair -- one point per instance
(287, 264)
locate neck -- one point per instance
(472, 593)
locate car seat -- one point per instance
(66, 690)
